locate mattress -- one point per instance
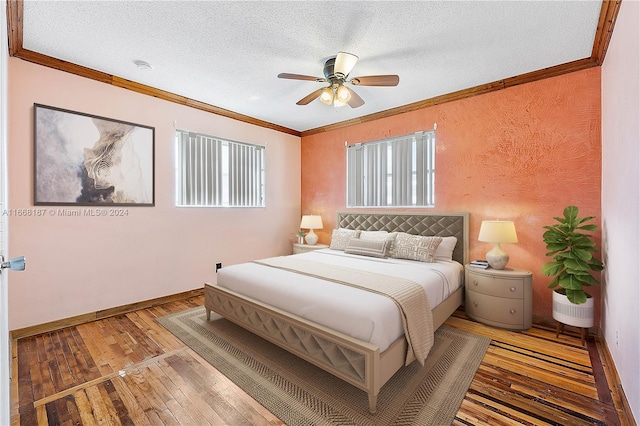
(358, 313)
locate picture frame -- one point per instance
(86, 160)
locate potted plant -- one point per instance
(570, 245)
(301, 234)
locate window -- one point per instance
(395, 172)
(212, 172)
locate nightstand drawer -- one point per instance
(496, 286)
(508, 313)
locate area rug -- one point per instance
(301, 394)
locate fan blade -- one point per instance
(355, 101)
(344, 63)
(311, 96)
(301, 77)
(376, 80)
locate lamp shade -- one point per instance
(311, 222)
(343, 94)
(326, 96)
(498, 231)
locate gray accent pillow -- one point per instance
(367, 247)
(390, 237)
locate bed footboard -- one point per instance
(352, 360)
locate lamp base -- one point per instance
(311, 238)
(497, 257)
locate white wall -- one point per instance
(80, 265)
(621, 199)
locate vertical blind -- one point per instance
(217, 172)
(394, 172)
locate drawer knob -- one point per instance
(475, 283)
(513, 289)
(475, 304)
(513, 311)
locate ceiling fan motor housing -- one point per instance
(328, 71)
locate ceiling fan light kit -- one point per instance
(343, 94)
(336, 72)
(326, 97)
(336, 95)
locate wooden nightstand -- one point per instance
(303, 248)
(502, 298)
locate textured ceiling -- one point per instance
(228, 54)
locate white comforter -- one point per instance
(352, 311)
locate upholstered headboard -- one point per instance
(439, 224)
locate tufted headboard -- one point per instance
(438, 224)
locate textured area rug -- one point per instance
(301, 394)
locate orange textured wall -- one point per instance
(520, 154)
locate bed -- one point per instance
(366, 361)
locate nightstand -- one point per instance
(303, 248)
(499, 297)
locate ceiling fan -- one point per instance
(336, 73)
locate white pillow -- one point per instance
(415, 247)
(445, 249)
(341, 236)
(373, 235)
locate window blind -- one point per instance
(394, 172)
(216, 172)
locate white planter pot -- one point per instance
(571, 314)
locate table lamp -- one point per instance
(497, 231)
(311, 222)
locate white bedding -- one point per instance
(352, 311)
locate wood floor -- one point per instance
(129, 370)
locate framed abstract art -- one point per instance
(87, 160)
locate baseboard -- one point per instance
(105, 313)
(544, 320)
(621, 404)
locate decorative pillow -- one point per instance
(415, 247)
(367, 247)
(445, 248)
(341, 236)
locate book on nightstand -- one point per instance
(482, 264)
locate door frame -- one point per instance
(5, 342)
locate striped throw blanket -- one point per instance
(409, 296)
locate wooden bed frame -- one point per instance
(355, 361)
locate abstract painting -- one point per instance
(83, 159)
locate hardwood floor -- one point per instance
(534, 378)
(129, 370)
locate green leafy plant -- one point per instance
(301, 233)
(570, 245)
